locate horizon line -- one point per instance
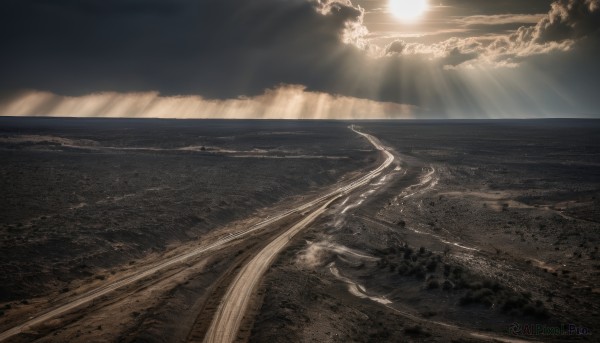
(301, 119)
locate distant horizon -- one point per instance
(306, 119)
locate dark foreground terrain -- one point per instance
(488, 225)
(480, 231)
(81, 197)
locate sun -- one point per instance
(408, 10)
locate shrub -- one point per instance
(428, 314)
(447, 285)
(529, 310)
(432, 265)
(415, 330)
(482, 296)
(460, 282)
(467, 298)
(541, 312)
(482, 293)
(447, 269)
(514, 302)
(433, 284)
(419, 272)
(493, 285)
(403, 269)
(475, 285)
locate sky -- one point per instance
(300, 59)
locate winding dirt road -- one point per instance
(228, 318)
(184, 257)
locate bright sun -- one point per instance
(408, 10)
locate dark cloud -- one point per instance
(224, 49)
(218, 48)
(569, 19)
(499, 19)
(470, 7)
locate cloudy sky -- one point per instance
(301, 58)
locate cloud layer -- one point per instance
(567, 22)
(223, 53)
(285, 102)
(217, 48)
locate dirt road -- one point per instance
(94, 294)
(229, 315)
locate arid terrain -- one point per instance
(419, 231)
(487, 227)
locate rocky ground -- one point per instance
(486, 229)
(83, 197)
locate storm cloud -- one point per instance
(227, 50)
(218, 48)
